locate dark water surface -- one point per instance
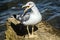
(51, 7)
(7, 13)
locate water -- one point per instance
(13, 10)
(47, 8)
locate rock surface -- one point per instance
(44, 32)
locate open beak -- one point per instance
(27, 7)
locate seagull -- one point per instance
(30, 18)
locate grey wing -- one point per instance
(26, 17)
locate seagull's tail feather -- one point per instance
(18, 17)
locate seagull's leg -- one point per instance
(31, 35)
(32, 29)
(28, 31)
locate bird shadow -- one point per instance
(21, 29)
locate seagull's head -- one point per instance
(28, 6)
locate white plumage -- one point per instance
(32, 18)
(35, 17)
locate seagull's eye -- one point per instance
(29, 3)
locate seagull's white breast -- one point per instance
(34, 19)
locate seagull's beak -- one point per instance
(27, 7)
